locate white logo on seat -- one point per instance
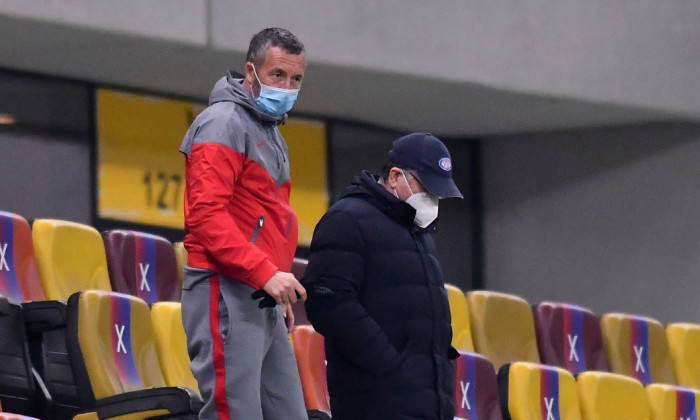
(572, 347)
(549, 403)
(144, 272)
(465, 388)
(638, 351)
(3, 261)
(120, 342)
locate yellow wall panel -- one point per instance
(306, 141)
(140, 170)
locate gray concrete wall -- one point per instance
(608, 219)
(634, 52)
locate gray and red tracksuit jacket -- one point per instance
(238, 220)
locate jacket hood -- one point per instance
(230, 89)
(368, 187)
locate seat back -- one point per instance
(311, 361)
(298, 269)
(19, 278)
(502, 327)
(181, 259)
(637, 346)
(461, 330)
(111, 345)
(476, 390)
(669, 402)
(569, 336)
(19, 392)
(142, 264)
(70, 257)
(684, 346)
(610, 396)
(532, 391)
(171, 344)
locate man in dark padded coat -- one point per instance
(376, 291)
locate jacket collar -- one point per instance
(367, 186)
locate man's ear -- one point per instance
(250, 77)
(393, 177)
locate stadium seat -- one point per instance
(610, 396)
(637, 346)
(532, 391)
(669, 402)
(70, 257)
(476, 390)
(461, 331)
(22, 390)
(311, 362)
(171, 344)
(502, 326)
(684, 345)
(142, 264)
(181, 258)
(113, 354)
(569, 336)
(19, 278)
(298, 269)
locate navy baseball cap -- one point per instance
(429, 157)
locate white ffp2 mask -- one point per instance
(426, 206)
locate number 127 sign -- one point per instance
(140, 172)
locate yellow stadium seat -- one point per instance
(502, 327)
(531, 391)
(610, 396)
(171, 344)
(70, 258)
(181, 258)
(669, 402)
(684, 345)
(637, 346)
(461, 331)
(112, 348)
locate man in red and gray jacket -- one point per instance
(241, 236)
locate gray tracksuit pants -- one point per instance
(240, 354)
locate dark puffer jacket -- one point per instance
(376, 294)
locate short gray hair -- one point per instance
(272, 37)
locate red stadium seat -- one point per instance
(569, 336)
(141, 264)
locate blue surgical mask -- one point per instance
(273, 100)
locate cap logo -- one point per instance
(445, 164)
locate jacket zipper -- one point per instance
(261, 219)
(278, 149)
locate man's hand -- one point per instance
(284, 288)
(288, 317)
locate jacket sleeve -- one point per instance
(333, 279)
(211, 173)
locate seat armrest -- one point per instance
(318, 414)
(44, 315)
(177, 400)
